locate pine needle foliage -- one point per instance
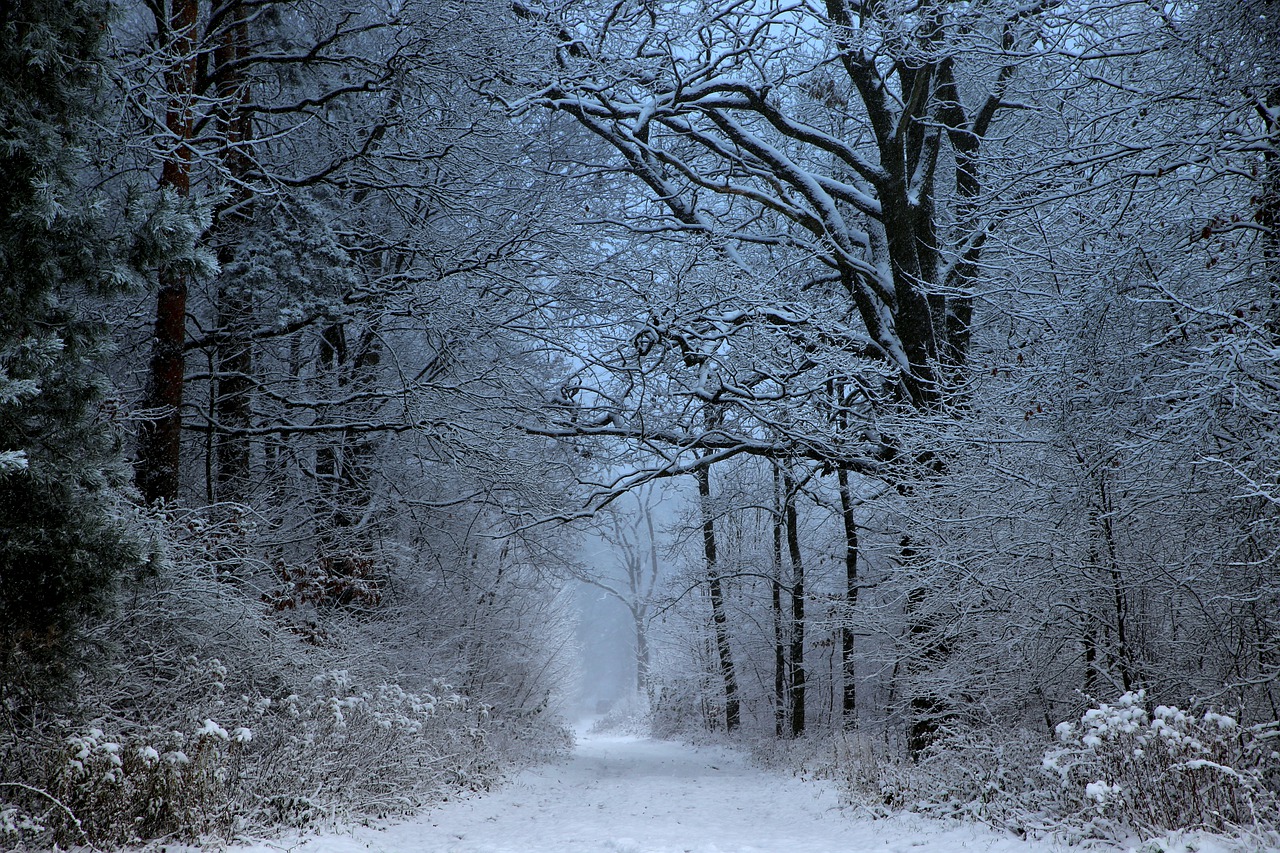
(61, 545)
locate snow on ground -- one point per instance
(626, 794)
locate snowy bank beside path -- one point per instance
(623, 794)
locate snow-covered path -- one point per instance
(634, 795)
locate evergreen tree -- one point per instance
(60, 542)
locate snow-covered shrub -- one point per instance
(124, 788)
(629, 715)
(871, 776)
(980, 773)
(333, 748)
(382, 748)
(1166, 768)
(967, 774)
(687, 706)
(212, 715)
(1125, 767)
(19, 828)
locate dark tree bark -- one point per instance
(1122, 653)
(927, 710)
(233, 402)
(333, 359)
(359, 448)
(796, 650)
(1090, 641)
(779, 624)
(1268, 215)
(720, 620)
(160, 434)
(848, 667)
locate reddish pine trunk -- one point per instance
(160, 437)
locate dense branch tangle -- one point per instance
(784, 383)
(832, 153)
(827, 131)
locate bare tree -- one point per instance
(629, 528)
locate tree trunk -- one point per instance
(333, 358)
(1125, 659)
(233, 408)
(159, 456)
(1268, 215)
(233, 404)
(779, 627)
(642, 592)
(359, 449)
(1090, 641)
(848, 669)
(642, 651)
(927, 709)
(797, 608)
(718, 617)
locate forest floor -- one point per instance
(627, 794)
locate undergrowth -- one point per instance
(210, 716)
(1123, 770)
